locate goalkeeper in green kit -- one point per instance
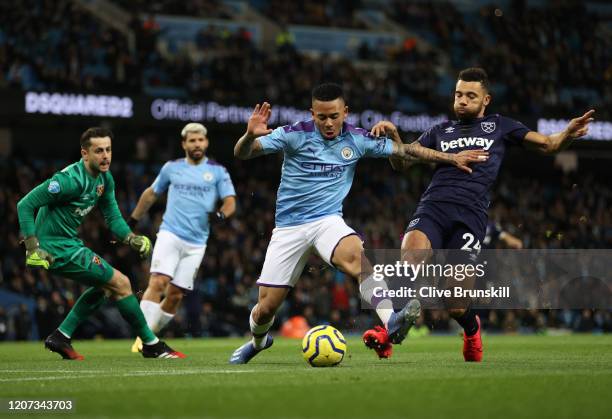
(51, 243)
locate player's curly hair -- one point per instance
(94, 132)
(327, 92)
(475, 74)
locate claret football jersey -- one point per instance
(492, 133)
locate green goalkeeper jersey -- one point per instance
(64, 200)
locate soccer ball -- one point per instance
(323, 346)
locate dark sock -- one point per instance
(86, 305)
(468, 322)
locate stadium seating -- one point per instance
(196, 50)
(535, 210)
(221, 58)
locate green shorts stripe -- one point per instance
(82, 265)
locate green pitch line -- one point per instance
(522, 376)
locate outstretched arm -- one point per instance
(388, 129)
(417, 153)
(54, 190)
(59, 188)
(404, 154)
(510, 241)
(26, 209)
(248, 146)
(550, 144)
(28, 205)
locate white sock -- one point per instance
(383, 307)
(164, 319)
(259, 331)
(152, 313)
(153, 342)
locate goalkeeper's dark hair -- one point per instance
(476, 74)
(327, 92)
(94, 132)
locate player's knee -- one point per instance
(119, 285)
(174, 296)
(416, 239)
(347, 256)
(351, 263)
(264, 312)
(157, 283)
(416, 247)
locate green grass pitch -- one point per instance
(521, 376)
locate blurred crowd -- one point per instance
(56, 46)
(338, 13)
(549, 61)
(555, 211)
(546, 59)
(195, 8)
(552, 62)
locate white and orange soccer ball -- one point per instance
(323, 346)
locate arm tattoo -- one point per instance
(415, 151)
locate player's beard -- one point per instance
(96, 169)
(196, 155)
(467, 115)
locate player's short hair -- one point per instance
(195, 128)
(94, 132)
(475, 74)
(327, 92)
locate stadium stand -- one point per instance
(515, 44)
(42, 51)
(57, 45)
(557, 211)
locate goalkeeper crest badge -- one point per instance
(54, 187)
(97, 261)
(100, 190)
(347, 153)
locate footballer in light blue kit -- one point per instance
(320, 156)
(194, 184)
(452, 213)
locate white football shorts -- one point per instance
(290, 248)
(177, 259)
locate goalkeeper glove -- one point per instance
(141, 244)
(35, 256)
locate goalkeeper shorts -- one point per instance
(79, 263)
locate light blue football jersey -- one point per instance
(193, 192)
(317, 174)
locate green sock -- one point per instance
(85, 306)
(131, 312)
